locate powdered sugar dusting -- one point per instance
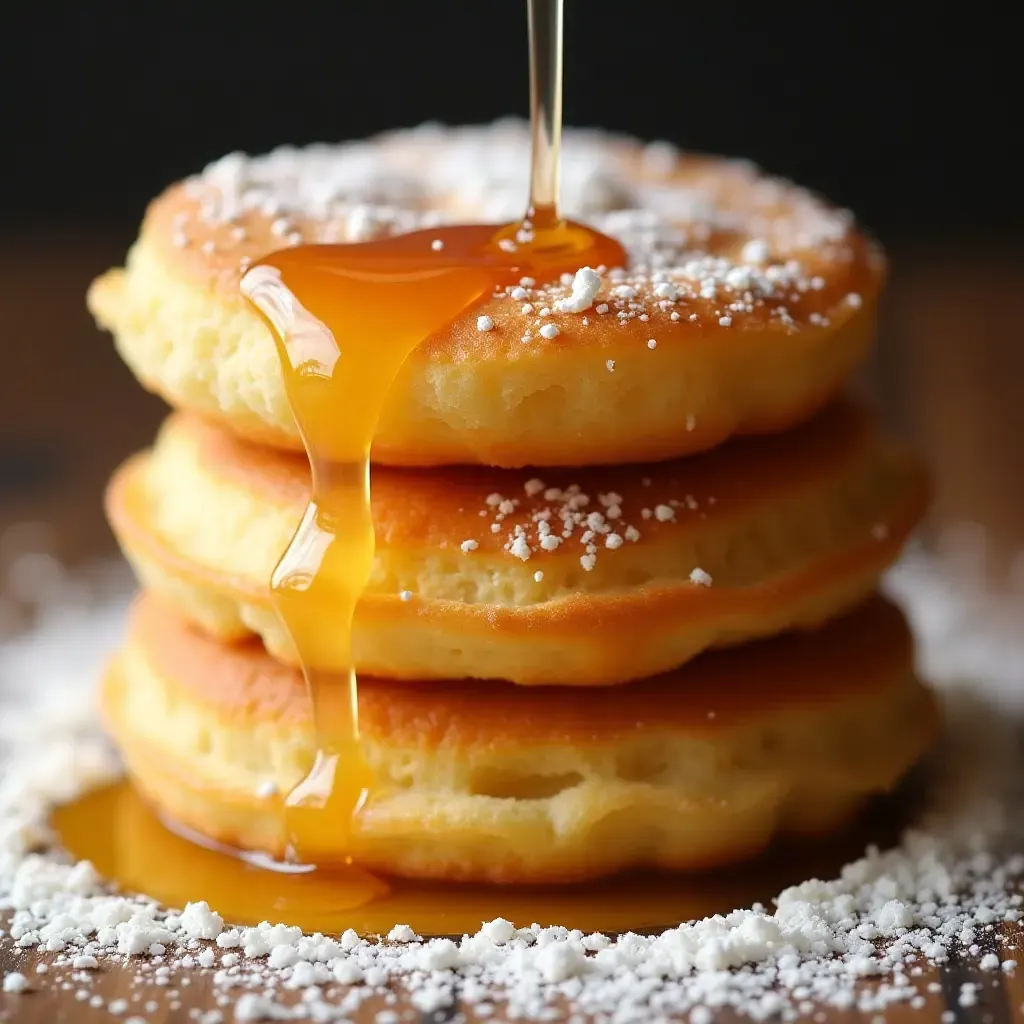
(715, 240)
(946, 891)
(544, 519)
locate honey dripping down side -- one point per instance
(344, 319)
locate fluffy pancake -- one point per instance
(696, 768)
(759, 297)
(791, 529)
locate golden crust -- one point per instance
(799, 316)
(791, 529)
(695, 768)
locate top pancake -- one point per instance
(759, 298)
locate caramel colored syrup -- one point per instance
(345, 317)
(117, 831)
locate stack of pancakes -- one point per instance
(666, 655)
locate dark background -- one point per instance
(908, 113)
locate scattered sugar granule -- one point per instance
(538, 576)
(755, 251)
(484, 323)
(520, 547)
(652, 343)
(405, 595)
(664, 513)
(549, 331)
(725, 321)
(610, 365)
(469, 545)
(585, 285)
(437, 244)
(199, 922)
(499, 931)
(15, 983)
(700, 578)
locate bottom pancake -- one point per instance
(695, 768)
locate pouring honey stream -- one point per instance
(344, 319)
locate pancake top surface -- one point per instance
(712, 244)
(492, 508)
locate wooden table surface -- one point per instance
(949, 374)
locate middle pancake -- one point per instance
(585, 577)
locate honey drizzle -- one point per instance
(345, 317)
(545, 26)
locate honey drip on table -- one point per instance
(119, 834)
(345, 317)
